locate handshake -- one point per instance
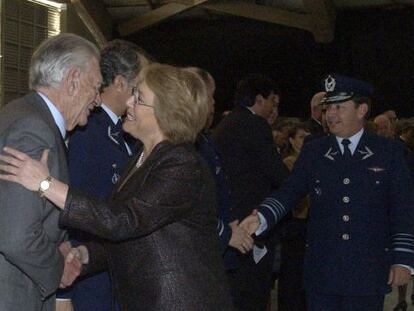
(241, 236)
(74, 258)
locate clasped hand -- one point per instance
(241, 237)
(74, 258)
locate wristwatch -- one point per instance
(44, 185)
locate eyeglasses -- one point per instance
(138, 99)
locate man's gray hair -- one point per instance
(56, 55)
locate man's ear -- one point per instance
(72, 80)
(120, 83)
(363, 110)
(259, 99)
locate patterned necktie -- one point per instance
(347, 152)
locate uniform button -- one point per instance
(317, 181)
(345, 236)
(346, 181)
(345, 218)
(345, 199)
(377, 182)
(114, 165)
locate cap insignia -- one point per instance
(330, 84)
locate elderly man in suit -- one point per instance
(254, 170)
(98, 153)
(360, 237)
(65, 79)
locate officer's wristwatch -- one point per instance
(44, 186)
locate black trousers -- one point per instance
(251, 283)
(291, 294)
(319, 302)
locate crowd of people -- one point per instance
(116, 193)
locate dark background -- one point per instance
(376, 45)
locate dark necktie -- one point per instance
(117, 133)
(347, 152)
(117, 127)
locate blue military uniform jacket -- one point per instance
(361, 217)
(97, 155)
(208, 150)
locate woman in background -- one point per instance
(291, 292)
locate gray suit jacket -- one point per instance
(30, 263)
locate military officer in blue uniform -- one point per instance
(230, 234)
(360, 237)
(97, 156)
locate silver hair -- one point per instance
(56, 55)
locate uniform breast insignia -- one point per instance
(115, 178)
(318, 191)
(330, 155)
(376, 169)
(366, 153)
(218, 170)
(112, 135)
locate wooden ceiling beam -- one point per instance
(155, 16)
(262, 13)
(122, 3)
(91, 13)
(322, 15)
(186, 2)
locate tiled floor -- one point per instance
(390, 300)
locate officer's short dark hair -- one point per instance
(359, 100)
(251, 86)
(120, 57)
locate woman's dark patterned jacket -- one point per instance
(162, 249)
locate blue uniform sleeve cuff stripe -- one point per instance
(405, 250)
(403, 239)
(271, 210)
(275, 207)
(220, 227)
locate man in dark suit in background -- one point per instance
(254, 168)
(98, 153)
(65, 79)
(360, 233)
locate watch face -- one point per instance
(44, 185)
